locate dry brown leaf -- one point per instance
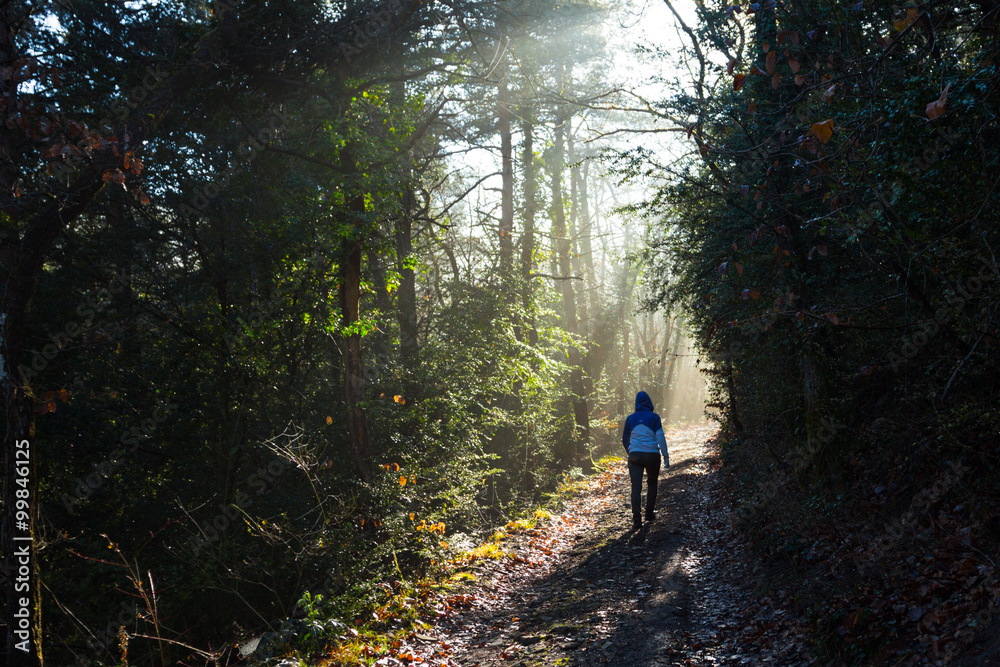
(823, 130)
(937, 107)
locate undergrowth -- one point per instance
(402, 608)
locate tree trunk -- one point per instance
(624, 299)
(668, 394)
(354, 376)
(407, 300)
(661, 372)
(350, 308)
(586, 227)
(507, 187)
(528, 238)
(563, 248)
(574, 221)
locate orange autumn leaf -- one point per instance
(738, 81)
(772, 60)
(402, 480)
(903, 23)
(937, 107)
(115, 176)
(329, 420)
(823, 130)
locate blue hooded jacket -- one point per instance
(643, 431)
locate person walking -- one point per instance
(644, 441)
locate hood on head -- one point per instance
(643, 402)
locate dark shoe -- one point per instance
(636, 523)
(650, 517)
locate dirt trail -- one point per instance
(584, 589)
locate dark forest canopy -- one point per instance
(299, 296)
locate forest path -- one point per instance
(582, 588)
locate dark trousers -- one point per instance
(637, 462)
